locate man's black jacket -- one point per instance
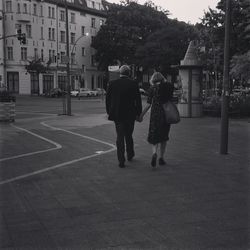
(123, 99)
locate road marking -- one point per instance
(57, 145)
(20, 177)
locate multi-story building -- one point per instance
(44, 23)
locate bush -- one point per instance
(239, 104)
(6, 96)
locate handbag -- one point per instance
(172, 114)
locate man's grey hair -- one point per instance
(125, 70)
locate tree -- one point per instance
(166, 46)
(142, 35)
(211, 31)
(36, 66)
(240, 67)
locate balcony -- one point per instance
(23, 17)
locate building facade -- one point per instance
(44, 23)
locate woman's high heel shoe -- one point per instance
(153, 160)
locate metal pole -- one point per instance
(4, 46)
(68, 62)
(225, 93)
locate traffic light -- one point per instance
(21, 36)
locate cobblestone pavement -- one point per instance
(61, 187)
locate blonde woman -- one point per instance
(159, 92)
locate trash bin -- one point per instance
(7, 107)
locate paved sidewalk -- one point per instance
(199, 200)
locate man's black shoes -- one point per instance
(130, 157)
(121, 165)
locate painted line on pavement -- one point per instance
(57, 145)
(20, 177)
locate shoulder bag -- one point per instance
(172, 115)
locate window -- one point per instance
(18, 8)
(25, 9)
(10, 53)
(63, 54)
(35, 53)
(23, 54)
(41, 32)
(52, 55)
(62, 82)
(62, 36)
(51, 34)
(41, 10)
(62, 15)
(93, 4)
(34, 9)
(18, 26)
(83, 30)
(72, 17)
(8, 6)
(83, 51)
(72, 37)
(93, 22)
(48, 83)
(49, 8)
(28, 30)
(83, 68)
(73, 58)
(42, 55)
(52, 12)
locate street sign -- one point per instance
(113, 68)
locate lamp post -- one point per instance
(75, 43)
(225, 93)
(68, 87)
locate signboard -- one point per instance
(113, 68)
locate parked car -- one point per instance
(99, 91)
(86, 92)
(55, 92)
(74, 93)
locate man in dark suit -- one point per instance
(123, 105)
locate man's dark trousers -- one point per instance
(124, 131)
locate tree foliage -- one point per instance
(211, 33)
(141, 35)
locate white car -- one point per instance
(74, 93)
(99, 91)
(86, 92)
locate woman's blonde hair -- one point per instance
(157, 77)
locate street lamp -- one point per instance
(74, 45)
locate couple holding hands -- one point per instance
(124, 106)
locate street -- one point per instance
(61, 187)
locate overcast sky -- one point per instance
(183, 10)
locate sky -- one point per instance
(184, 10)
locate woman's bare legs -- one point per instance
(162, 152)
(154, 156)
